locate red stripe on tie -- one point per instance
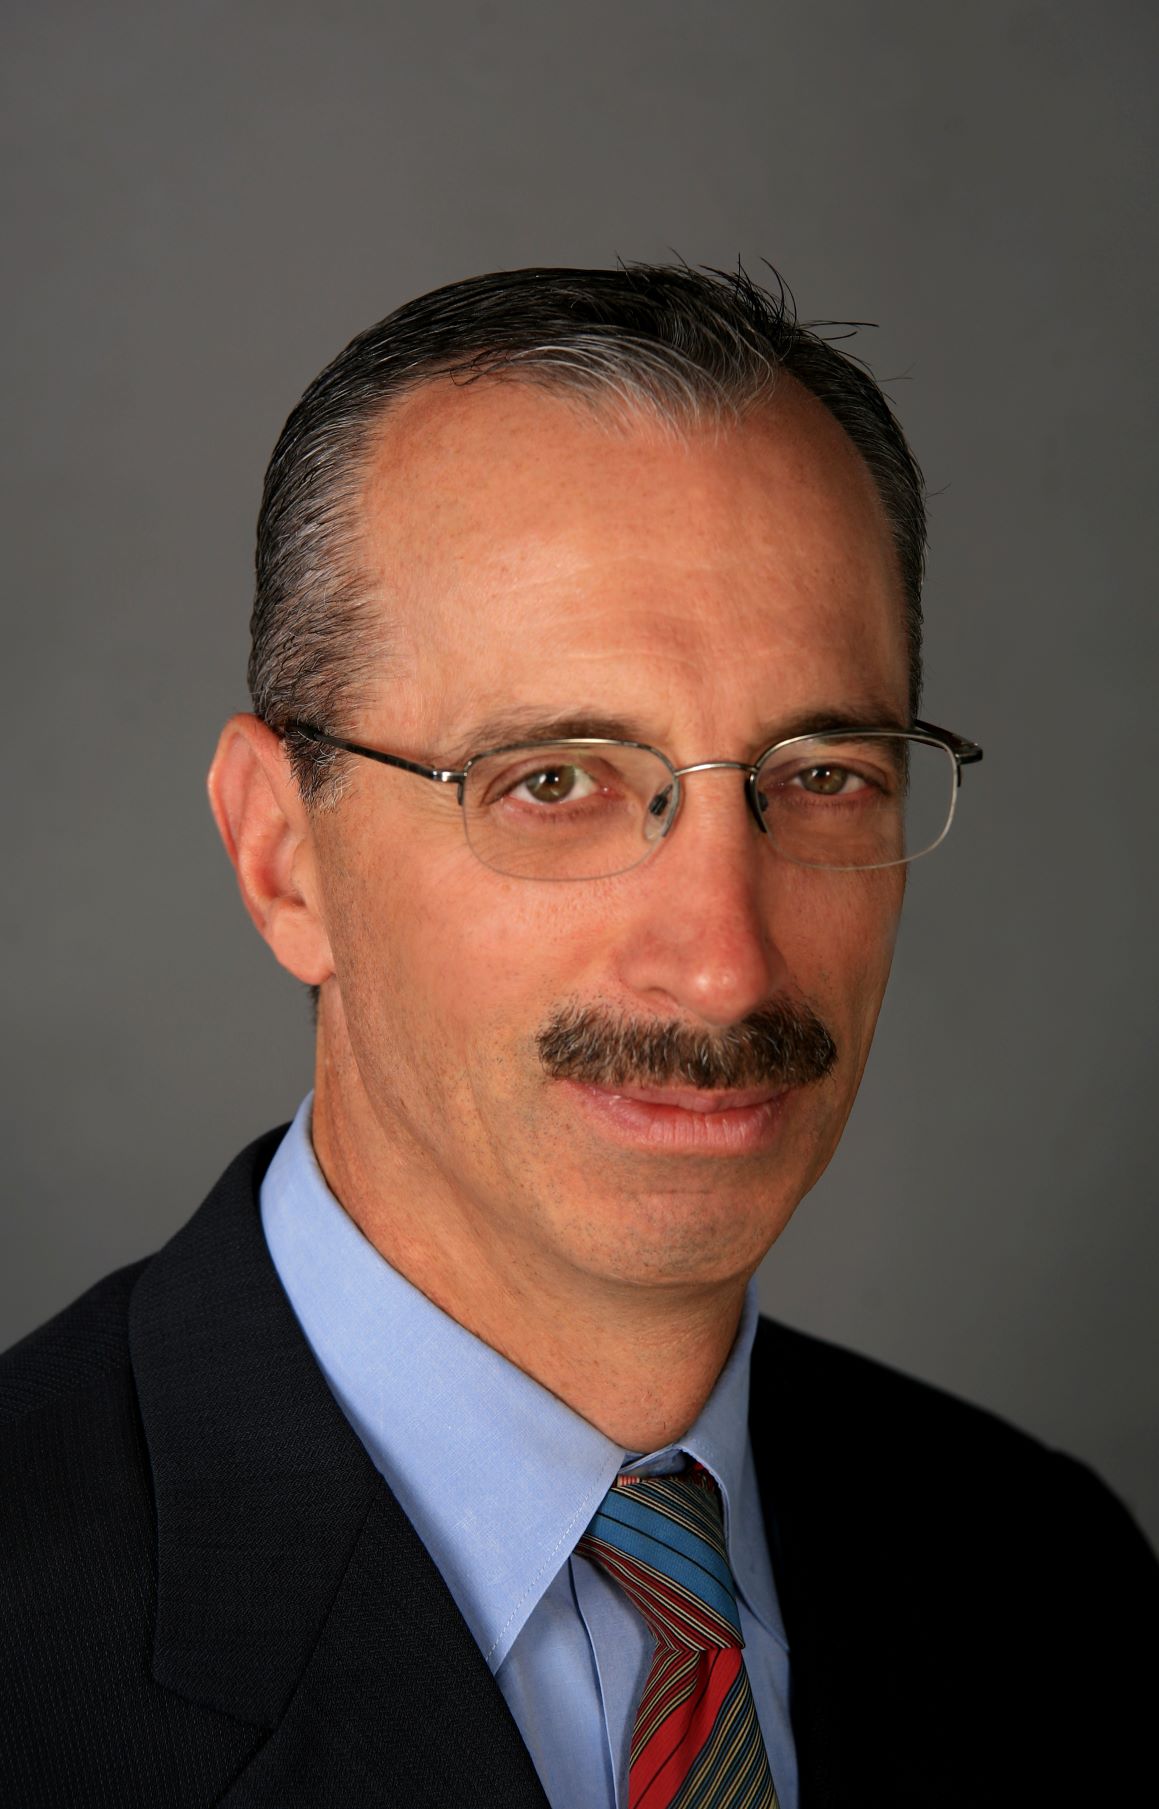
(676, 1744)
(669, 1611)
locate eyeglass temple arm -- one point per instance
(966, 753)
(441, 775)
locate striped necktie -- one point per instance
(696, 1743)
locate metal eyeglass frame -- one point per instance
(963, 753)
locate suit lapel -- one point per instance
(810, 1565)
(396, 1704)
(293, 1593)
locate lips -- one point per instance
(687, 1121)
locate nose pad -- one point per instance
(757, 802)
(661, 813)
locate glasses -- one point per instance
(847, 800)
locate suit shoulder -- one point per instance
(72, 1353)
(853, 1402)
(923, 1447)
(848, 1383)
(73, 1466)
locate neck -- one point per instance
(637, 1361)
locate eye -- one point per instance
(561, 784)
(829, 781)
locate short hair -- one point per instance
(674, 342)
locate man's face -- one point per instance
(710, 591)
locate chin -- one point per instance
(680, 1238)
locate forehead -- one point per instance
(532, 551)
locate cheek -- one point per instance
(838, 938)
(448, 965)
(513, 950)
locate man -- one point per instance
(441, 1459)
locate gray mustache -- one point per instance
(784, 1044)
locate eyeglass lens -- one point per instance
(573, 811)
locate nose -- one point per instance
(702, 939)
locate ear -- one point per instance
(266, 829)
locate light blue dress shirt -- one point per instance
(500, 1479)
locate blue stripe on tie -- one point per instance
(632, 1509)
(648, 1535)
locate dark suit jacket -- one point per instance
(211, 1597)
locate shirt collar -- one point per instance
(498, 1476)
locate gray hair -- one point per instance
(678, 343)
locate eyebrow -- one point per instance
(511, 727)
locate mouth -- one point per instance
(685, 1119)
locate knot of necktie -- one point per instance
(662, 1539)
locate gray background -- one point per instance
(203, 202)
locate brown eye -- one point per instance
(825, 781)
(556, 785)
